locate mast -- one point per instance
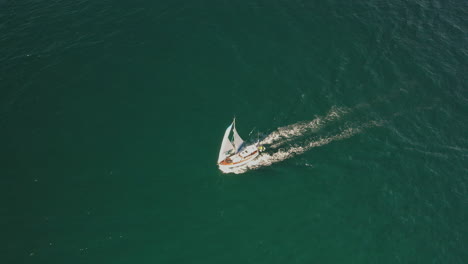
(237, 139)
(226, 145)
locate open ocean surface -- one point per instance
(112, 115)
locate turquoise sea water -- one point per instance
(112, 114)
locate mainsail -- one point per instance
(237, 139)
(226, 146)
(229, 147)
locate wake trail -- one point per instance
(267, 159)
(288, 133)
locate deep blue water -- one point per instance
(112, 115)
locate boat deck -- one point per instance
(245, 155)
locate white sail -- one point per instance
(226, 146)
(237, 140)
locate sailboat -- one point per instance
(233, 152)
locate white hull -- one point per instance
(234, 153)
(241, 158)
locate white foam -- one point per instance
(300, 128)
(267, 159)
